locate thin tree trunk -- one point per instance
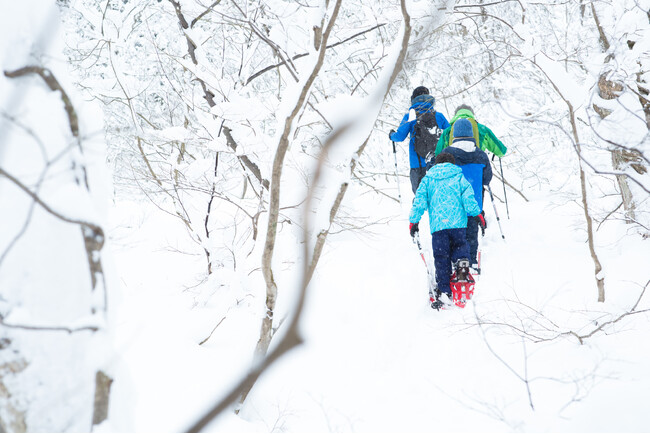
(291, 338)
(619, 163)
(266, 331)
(600, 281)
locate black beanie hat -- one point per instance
(420, 90)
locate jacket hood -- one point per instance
(464, 144)
(423, 103)
(444, 171)
(463, 113)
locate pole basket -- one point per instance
(462, 289)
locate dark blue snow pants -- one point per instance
(416, 175)
(449, 245)
(472, 238)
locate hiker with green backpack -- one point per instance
(483, 136)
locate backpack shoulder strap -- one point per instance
(435, 119)
(451, 134)
(475, 132)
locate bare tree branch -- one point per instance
(209, 97)
(230, 141)
(91, 226)
(55, 86)
(496, 175)
(298, 56)
(69, 330)
(481, 5)
(202, 14)
(601, 327)
(524, 378)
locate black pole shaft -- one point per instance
(503, 181)
(495, 211)
(399, 193)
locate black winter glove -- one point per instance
(390, 133)
(414, 228)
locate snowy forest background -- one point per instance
(202, 229)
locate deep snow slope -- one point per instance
(376, 357)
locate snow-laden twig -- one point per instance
(31, 327)
(581, 337)
(524, 378)
(84, 224)
(298, 56)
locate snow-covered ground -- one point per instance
(376, 358)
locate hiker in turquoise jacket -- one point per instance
(484, 137)
(448, 198)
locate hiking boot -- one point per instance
(433, 293)
(462, 269)
(445, 298)
(442, 301)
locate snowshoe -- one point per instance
(438, 305)
(462, 283)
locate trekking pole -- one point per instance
(399, 194)
(495, 211)
(416, 240)
(503, 181)
(432, 287)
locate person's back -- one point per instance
(449, 199)
(476, 168)
(485, 139)
(474, 162)
(444, 193)
(421, 104)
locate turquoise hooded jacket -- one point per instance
(447, 196)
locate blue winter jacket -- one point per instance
(447, 196)
(421, 104)
(474, 163)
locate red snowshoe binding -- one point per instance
(462, 283)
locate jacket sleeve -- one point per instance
(487, 170)
(467, 194)
(403, 130)
(491, 143)
(443, 140)
(441, 120)
(420, 202)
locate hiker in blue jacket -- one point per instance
(476, 168)
(421, 103)
(448, 198)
